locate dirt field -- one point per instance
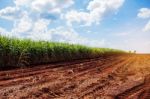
(113, 77)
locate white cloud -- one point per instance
(144, 13)
(65, 35)
(75, 16)
(22, 25)
(123, 34)
(10, 13)
(21, 2)
(45, 36)
(26, 28)
(147, 27)
(41, 25)
(96, 10)
(104, 5)
(44, 6)
(69, 35)
(52, 6)
(36, 8)
(3, 32)
(40, 31)
(31, 17)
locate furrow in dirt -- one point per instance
(140, 91)
(102, 82)
(30, 77)
(112, 77)
(24, 73)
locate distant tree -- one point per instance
(134, 51)
(129, 51)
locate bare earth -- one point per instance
(112, 77)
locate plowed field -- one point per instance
(112, 77)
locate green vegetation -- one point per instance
(23, 52)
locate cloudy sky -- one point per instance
(120, 24)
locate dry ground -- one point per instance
(112, 77)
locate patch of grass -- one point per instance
(23, 52)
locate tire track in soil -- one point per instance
(90, 90)
(56, 65)
(64, 83)
(67, 84)
(87, 77)
(129, 85)
(85, 80)
(28, 76)
(35, 71)
(141, 91)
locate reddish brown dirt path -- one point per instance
(112, 77)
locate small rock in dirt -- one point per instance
(70, 72)
(45, 90)
(110, 77)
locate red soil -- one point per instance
(112, 77)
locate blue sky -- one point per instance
(119, 24)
